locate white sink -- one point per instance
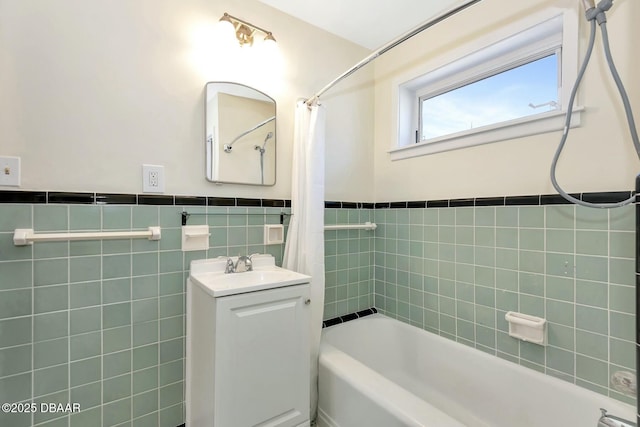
(209, 274)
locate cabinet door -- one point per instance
(262, 358)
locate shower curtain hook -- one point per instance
(313, 101)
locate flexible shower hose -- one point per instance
(594, 14)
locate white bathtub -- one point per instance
(379, 372)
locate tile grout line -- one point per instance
(68, 363)
(101, 244)
(33, 317)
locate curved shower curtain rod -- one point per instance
(444, 15)
(228, 147)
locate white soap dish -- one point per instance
(195, 237)
(527, 328)
(273, 234)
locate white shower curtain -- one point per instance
(304, 250)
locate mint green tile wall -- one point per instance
(102, 323)
(457, 271)
(348, 263)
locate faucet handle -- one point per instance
(243, 264)
(248, 262)
(229, 268)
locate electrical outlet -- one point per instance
(10, 171)
(152, 179)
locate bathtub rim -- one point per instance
(377, 388)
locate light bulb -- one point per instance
(226, 32)
(269, 46)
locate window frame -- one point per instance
(545, 33)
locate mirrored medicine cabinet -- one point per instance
(240, 132)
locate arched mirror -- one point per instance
(240, 131)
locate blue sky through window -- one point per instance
(522, 91)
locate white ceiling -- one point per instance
(369, 23)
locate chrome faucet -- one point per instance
(243, 264)
(607, 420)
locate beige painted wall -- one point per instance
(92, 90)
(599, 156)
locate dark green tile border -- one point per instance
(51, 197)
(8, 196)
(528, 200)
(348, 317)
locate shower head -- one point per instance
(262, 150)
(269, 136)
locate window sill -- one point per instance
(526, 126)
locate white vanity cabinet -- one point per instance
(248, 352)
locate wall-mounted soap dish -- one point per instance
(273, 234)
(195, 237)
(527, 328)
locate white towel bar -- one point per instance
(366, 226)
(26, 236)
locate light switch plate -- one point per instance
(10, 171)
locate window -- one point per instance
(512, 87)
(525, 90)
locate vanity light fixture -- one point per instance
(243, 30)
